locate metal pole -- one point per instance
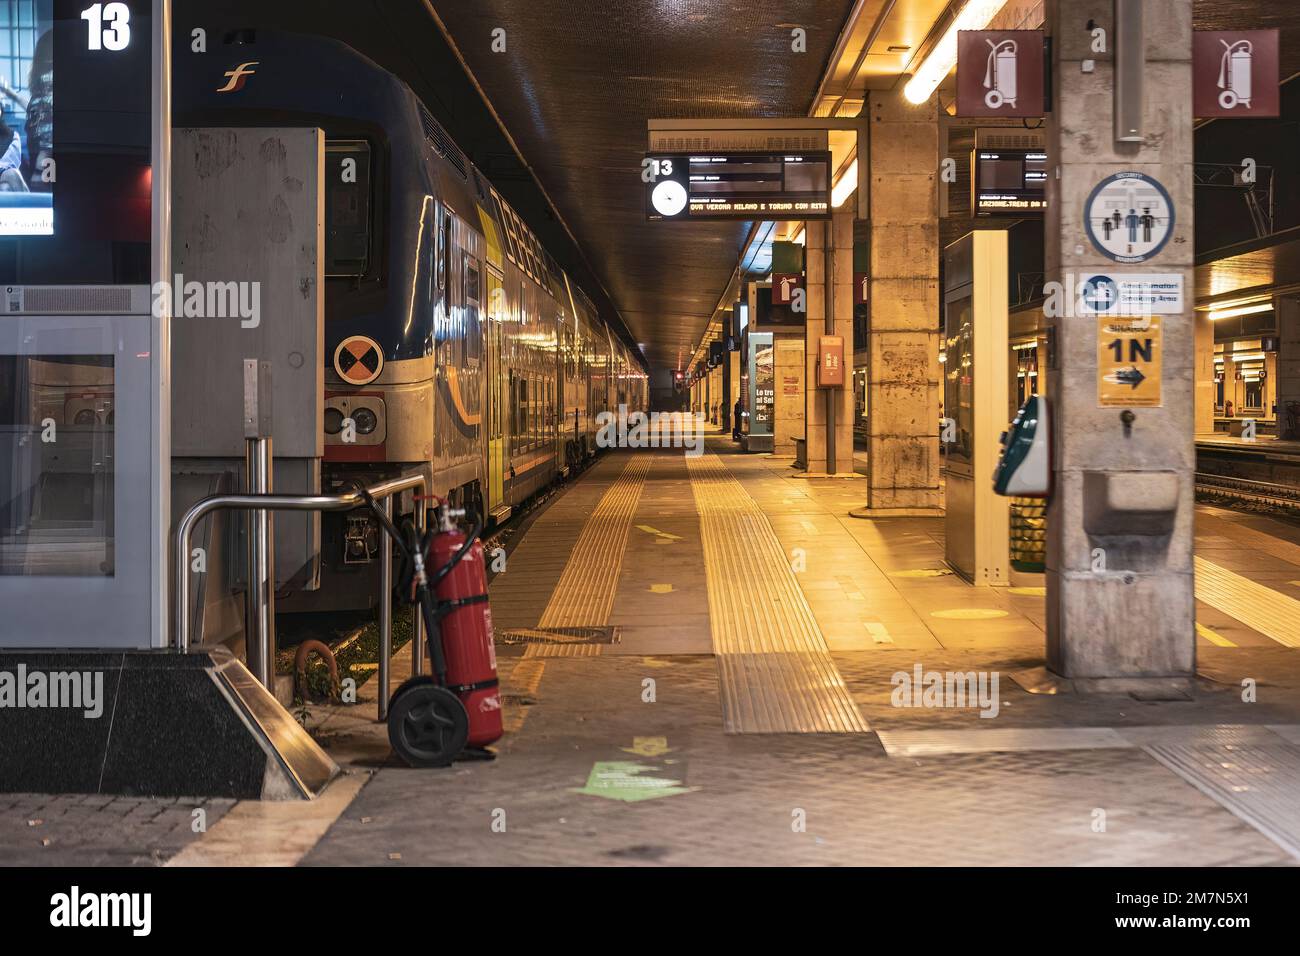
(385, 614)
(259, 633)
(259, 609)
(417, 618)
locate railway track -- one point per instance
(1224, 487)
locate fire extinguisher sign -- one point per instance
(1235, 74)
(1000, 73)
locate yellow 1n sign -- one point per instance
(1128, 360)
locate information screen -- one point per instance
(770, 186)
(27, 118)
(1009, 182)
(75, 141)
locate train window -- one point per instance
(347, 207)
(507, 227)
(473, 327)
(445, 247)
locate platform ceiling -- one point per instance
(579, 79)
(575, 87)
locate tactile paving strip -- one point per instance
(775, 670)
(1256, 782)
(1273, 614)
(584, 595)
(929, 743)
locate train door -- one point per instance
(496, 385)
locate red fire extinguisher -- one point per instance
(434, 718)
(467, 629)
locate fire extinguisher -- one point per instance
(466, 623)
(433, 719)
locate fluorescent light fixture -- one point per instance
(976, 15)
(1247, 356)
(1232, 313)
(845, 186)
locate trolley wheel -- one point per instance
(427, 724)
(1228, 99)
(994, 99)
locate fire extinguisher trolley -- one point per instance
(456, 711)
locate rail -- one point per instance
(381, 492)
(1245, 489)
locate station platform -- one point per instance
(700, 660)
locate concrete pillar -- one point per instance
(830, 312)
(1204, 373)
(903, 303)
(1119, 603)
(733, 391)
(788, 380)
(1287, 309)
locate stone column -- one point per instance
(1204, 373)
(1119, 603)
(830, 282)
(1287, 309)
(903, 303)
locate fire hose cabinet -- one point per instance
(830, 361)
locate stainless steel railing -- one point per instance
(381, 492)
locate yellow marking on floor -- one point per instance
(775, 670)
(878, 632)
(1260, 608)
(969, 614)
(1213, 636)
(657, 533)
(271, 832)
(648, 746)
(661, 589)
(523, 682)
(569, 649)
(920, 573)
(1030, 591)
(585, 593)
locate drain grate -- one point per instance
(559, 635)
(560, 641)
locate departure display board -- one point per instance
(769, 186)
(1008, 182)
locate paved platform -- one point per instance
(701, 662)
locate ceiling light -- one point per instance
(845, 185)
(1216, 314)
(1247, 356)
(974, 16)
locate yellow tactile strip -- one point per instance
(584, 595)
(1274, 615)
(775, 670)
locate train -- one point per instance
(455, 345)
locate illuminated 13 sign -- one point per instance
(771, 186)
(109, 25)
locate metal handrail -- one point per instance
(344, 502)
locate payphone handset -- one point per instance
(1024, 466)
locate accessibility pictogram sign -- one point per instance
(1128, 361)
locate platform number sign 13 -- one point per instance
(108, 26)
